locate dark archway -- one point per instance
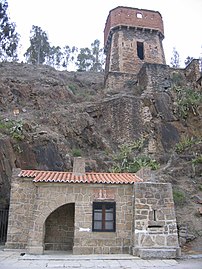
(59, 229)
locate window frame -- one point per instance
(103, 205)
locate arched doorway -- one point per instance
(59, 229)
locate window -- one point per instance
(104, 216)
(139, 15)
(140, 50)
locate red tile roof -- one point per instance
(69, 177)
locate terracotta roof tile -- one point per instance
(69, 177)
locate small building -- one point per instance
(91, 213)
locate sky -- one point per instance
(79, 22)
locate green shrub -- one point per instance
(188, 100)
(126, 162)
(186, 142)
(76, 152)
(179, 197)
(73, 88)
(13, 128)
(197, 160)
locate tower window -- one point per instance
(140, 50)
(139, 15)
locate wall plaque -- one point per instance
(104, 194)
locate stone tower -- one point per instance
(131, 37)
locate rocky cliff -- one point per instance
(47, 117)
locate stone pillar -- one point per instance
(155, 228)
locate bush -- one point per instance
(76, 152)
(179, 197)
(13, 128)
(188, 100)
(197, 160)
(186, 142)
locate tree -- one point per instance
(55, 56)
(84, 59)
(69, 55)
(175, 59)
(39, 49)
(98, 59)
(9, 38)
(91, 59)
(188, 60)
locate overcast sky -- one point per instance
(79, 22)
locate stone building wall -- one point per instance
(155, 228)
(22, 204)
(154, 77)
(119, 80)
(122, 55)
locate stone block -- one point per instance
(115, 250)
(172, 240)
(98, 250)
(160, 240)
(156, 253)
(147, 241)
(36, 250)
(82, 250)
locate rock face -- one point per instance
(47, 117)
